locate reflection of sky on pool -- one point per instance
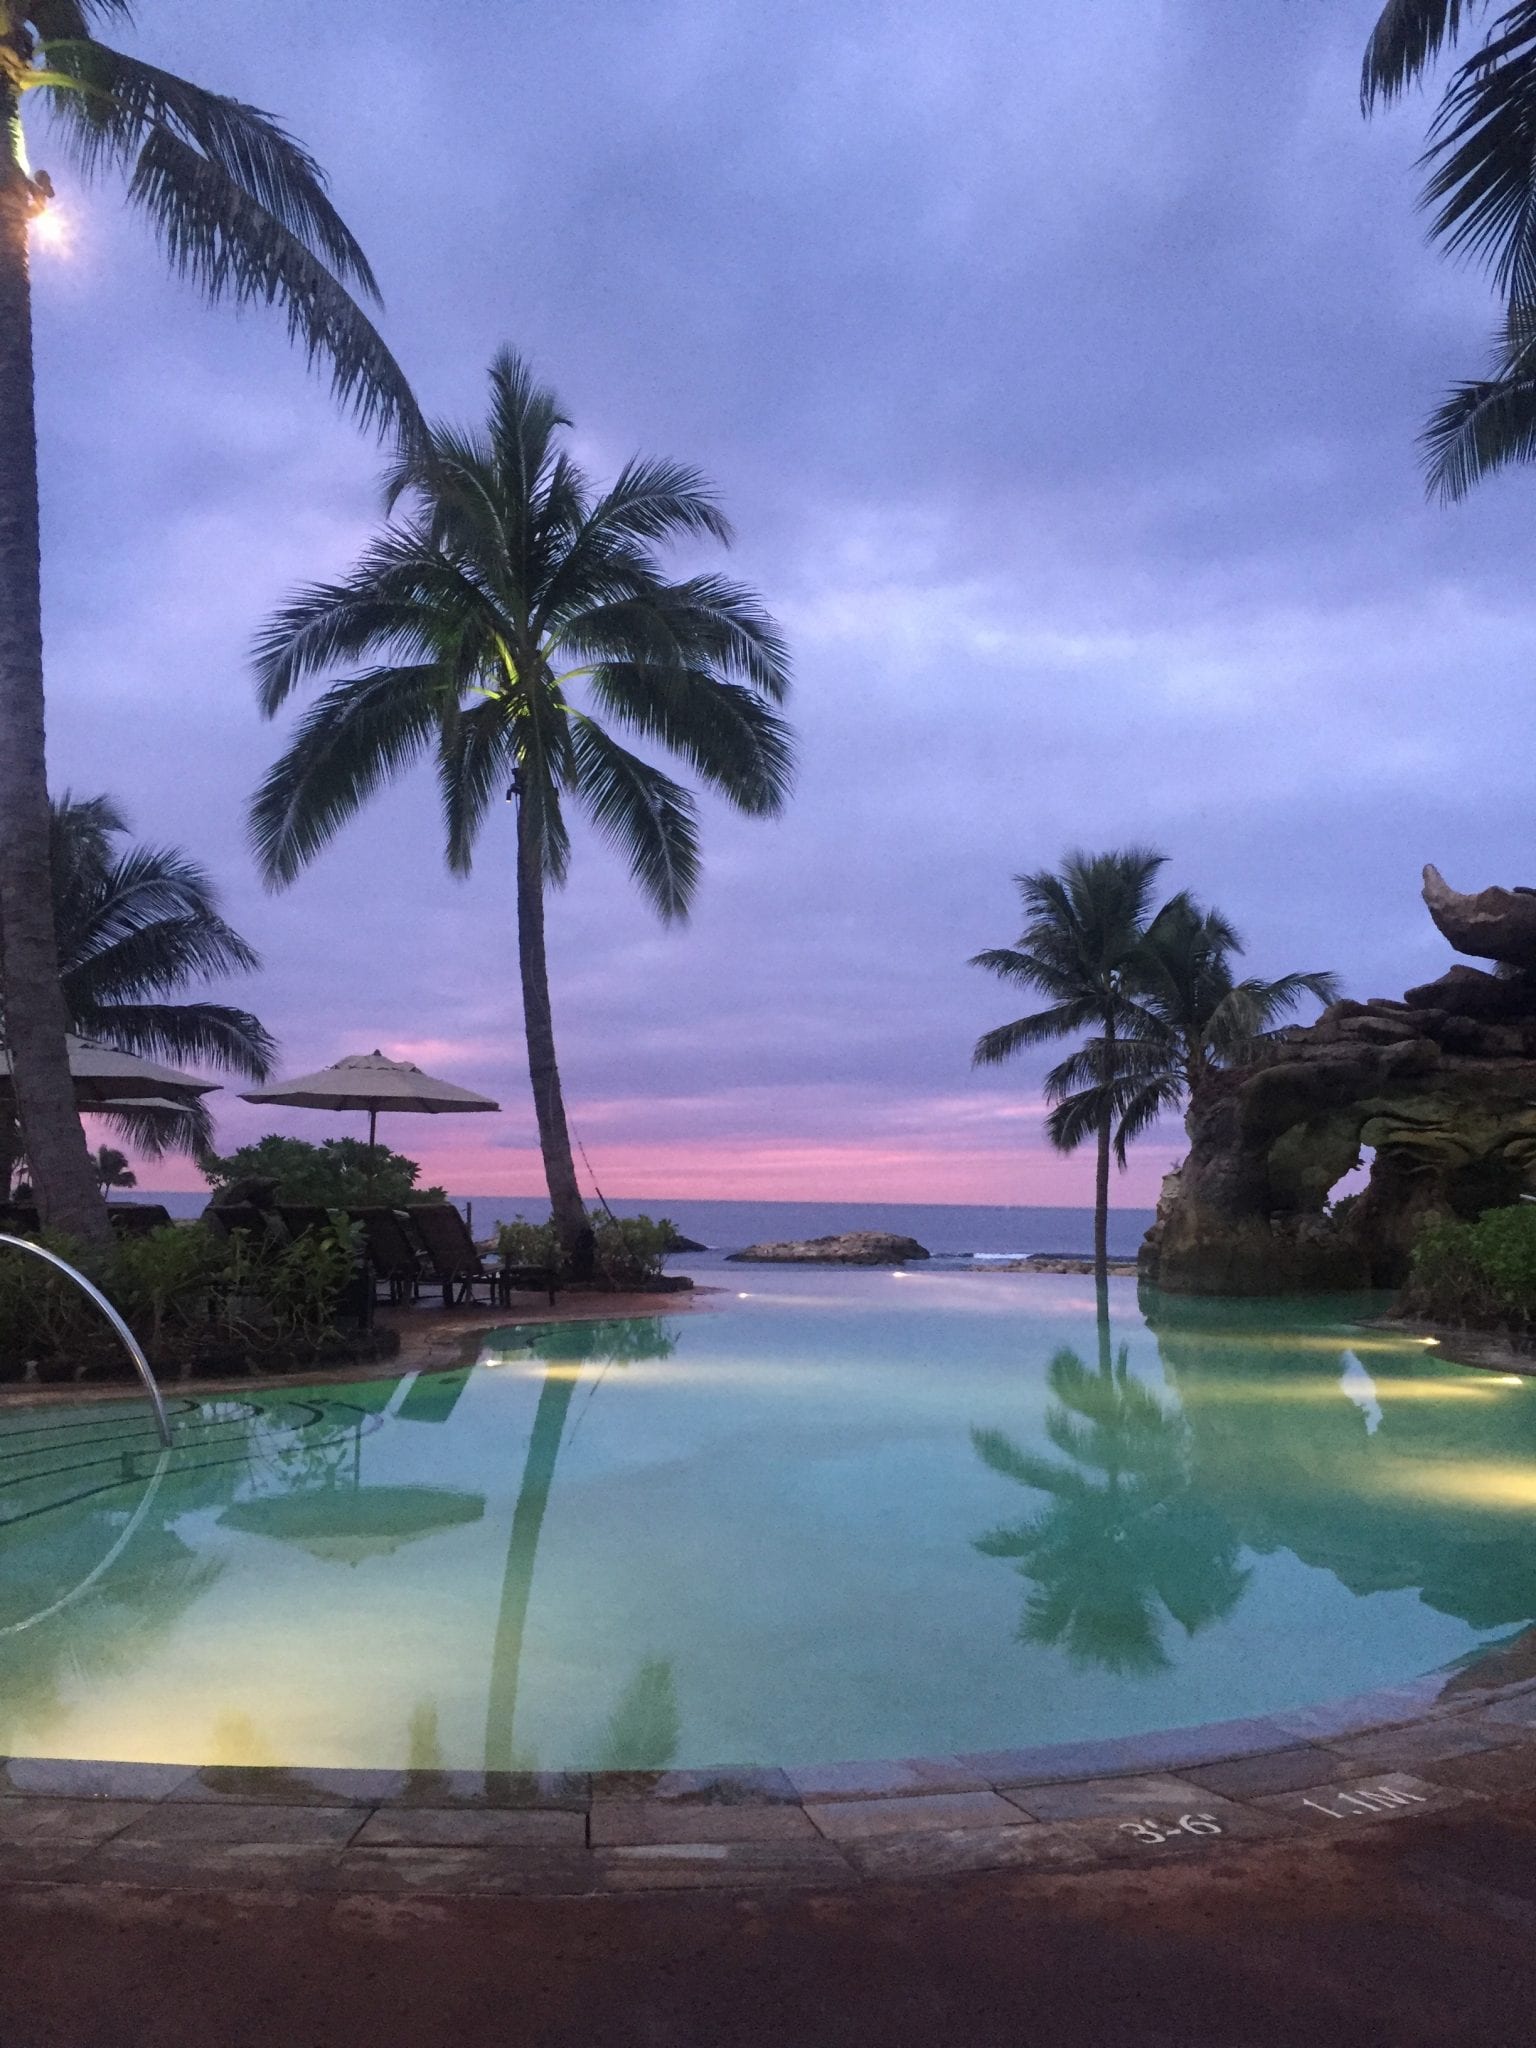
(820, 1516)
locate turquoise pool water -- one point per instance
(835, 1516)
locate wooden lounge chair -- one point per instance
(457, 1263)
(392, 1251)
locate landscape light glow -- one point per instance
(50, 229)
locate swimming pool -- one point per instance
(833, 1515)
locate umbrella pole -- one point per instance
(373, 1126)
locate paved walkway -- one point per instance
(1417, 1934)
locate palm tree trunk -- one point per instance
(35, 1017)
(566, 1206)
(1101, 1176)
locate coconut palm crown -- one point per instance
(1191, 1016)
(137, 924)
(511, 622)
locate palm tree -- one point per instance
(112, 1169)
(241, 209)
(1124, 1539)
(1079, 945)
(469, 625)
(1191, 1017)
(133, 926)
(1481, 184)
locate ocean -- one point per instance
(948, 1229)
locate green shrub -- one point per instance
(631, 1249)
(191, 1298)
(1482, 1274)
(628, 1250)
(522, 1243)
(335, 1174)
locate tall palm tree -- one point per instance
(241, 209)
(1481, 185)
(134, 925)
(1191, 1016)
(505, 586)
(1082, 929)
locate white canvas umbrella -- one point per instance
(106, 1078)
(368, 1081)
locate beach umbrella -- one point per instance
(368, 1081)
(106, 1078)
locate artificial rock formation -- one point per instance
(1441, 1086)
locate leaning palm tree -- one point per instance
(1083, 927)
(1192, 1016)
(241, 209)
(1481, 187)
(134, 926)
(511, 620)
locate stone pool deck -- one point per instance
(206, 1918)
(1374, 1760)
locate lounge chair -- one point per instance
(457, 1263)
(137, 1219)
(392, 1251)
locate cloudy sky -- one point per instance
(1061, 371)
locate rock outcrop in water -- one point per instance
(1441, 1085)
(852, 1248)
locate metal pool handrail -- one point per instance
(162, 1421)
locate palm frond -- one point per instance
(725, 733)
(1408, 35)
(122, 104)
(215, 234)
(648, 816)
(476, 764)
(1004, 1040)
(1484, 175)
(208, 1034)
(360, 734)
(1479, 428)
(406, 602)
(155, 1129)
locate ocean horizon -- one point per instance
(948, 1229)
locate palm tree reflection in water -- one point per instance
(1123, 1543)
(643, 1730)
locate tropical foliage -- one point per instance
(1480, 187)
(196, 1301)
(517, 624)
(113, 1170)
(1157, 994)
(628, 1251)
(240, 210)
(1481, 1275)
(134, 927)
(1083, 928)
(1190, 1017)
(339, 1173)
